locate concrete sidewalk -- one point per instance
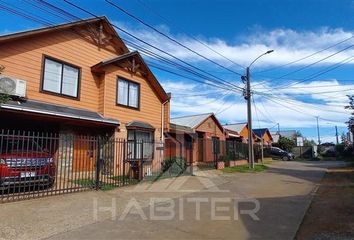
(284, 192)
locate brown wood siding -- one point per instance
(267, 138)
(210, 126)
(23, 60)
(150, 106)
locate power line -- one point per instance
(224, 95)
(328, 69)
(255, 109)
(154, 47)
(56, 9)
(193, 79)
(291, 102)
(265, 113)
(306, 87)
(169, 37)
(182, 30)
(314, 63)
(165, 60)
(23, 14)
(308, 56)
(312, 93)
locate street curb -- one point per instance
(312, 194)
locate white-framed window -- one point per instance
(128, 93)
(60, 78)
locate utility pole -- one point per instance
(249, 110)
(249, 118)
(318, 132)
(278, 128)
(262, 153)
(337, 135)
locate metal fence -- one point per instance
(211, 151)
(34, 164)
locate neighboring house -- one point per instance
(275, 136)
(203, 132)
(238, 132)
(290, 134)
(263, 133)
(80, 78)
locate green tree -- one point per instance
(309, 143)
(343, 137)
(286, 144)
(351, 107)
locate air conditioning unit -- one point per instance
(12, 86)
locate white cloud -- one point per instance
(288, 44)
(288, 111)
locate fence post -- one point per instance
(141, 161)
(191, 157)
(98, 163)
(124, 158)
(262, 150)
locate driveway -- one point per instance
(211, 205)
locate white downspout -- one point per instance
(162, 138)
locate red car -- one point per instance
(23, 162)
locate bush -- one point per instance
(349, 152)
(340, 149)
(344, 151)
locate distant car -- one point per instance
(24, 163)
(281, 154)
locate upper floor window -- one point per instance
(60, 78)
(128, 93)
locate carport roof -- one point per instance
(138, 124)
(37, 107)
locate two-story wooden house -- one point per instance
(80, 78)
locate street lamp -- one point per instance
(249, 109)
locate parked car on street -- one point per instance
(24, 163)
(278, 153)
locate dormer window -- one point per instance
(60, 78)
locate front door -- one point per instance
(200, 147)
(84, 155)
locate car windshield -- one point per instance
(17, 144)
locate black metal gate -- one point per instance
(34, 164)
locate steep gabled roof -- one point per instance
(139, 63)
(286, 133)
(260, 131)
(191, 121)
(236, 127)
(194, 121)
(107, 27)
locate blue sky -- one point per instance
(242, 30)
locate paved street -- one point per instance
(283, 193)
